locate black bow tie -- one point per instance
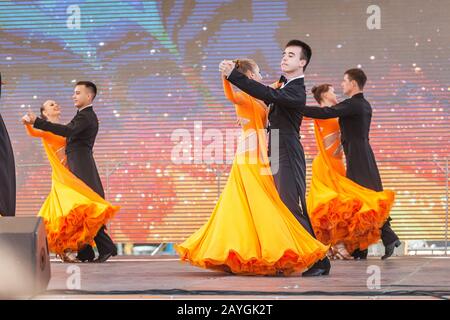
(282, 80)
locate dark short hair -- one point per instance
(317, 91)
(90, 85)
(358, 75)
(306, 52)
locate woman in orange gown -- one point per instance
(250, 230)
(73, 213)
(343, 213)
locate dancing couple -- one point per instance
(348, 206)
(75, 212)
(260, 223)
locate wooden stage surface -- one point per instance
(164, 277)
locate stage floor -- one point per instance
(164, 277)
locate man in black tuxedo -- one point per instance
(7, 171)
(285, 118)
(81, 133)
(355, 115)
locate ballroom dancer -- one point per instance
(7, 171)
(73, 213)
(344, 214)
(81, 133)
(355, 114)
(251, 231)
(288, 162)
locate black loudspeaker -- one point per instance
(24, 256)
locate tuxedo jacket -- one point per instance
(7, 171)
(80, 134)
(285, 104)
(355, 115)
(289, 166)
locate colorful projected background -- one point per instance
(156, 62)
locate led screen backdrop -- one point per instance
(156, 66)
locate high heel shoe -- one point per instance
(66, 257)
(342, 253)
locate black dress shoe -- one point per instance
(104, 257)
(389, 249)
(85, 258)
(360, 254)
(85, 255)
(316, 272)
(320, 268)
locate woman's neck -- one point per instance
(53, 119)
(327, 103)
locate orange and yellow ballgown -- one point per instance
(250, 230)
(341, 211)
(72, 212)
